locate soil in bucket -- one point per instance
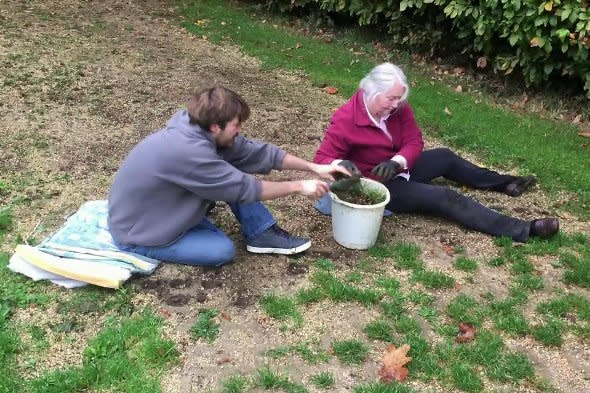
(360, 195)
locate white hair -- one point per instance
(382, 78)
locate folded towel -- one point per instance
(83, 251)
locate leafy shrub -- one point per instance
(539, 39)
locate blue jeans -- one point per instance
(207, 245)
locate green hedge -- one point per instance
(539, 39)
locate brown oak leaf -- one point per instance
(448, 249)
(330, 89)
(466, 332)
(223, 359)
(394, 360)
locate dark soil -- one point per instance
(359, 196)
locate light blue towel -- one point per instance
(85, 235)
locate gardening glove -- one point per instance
(350, 167)
(387, 169)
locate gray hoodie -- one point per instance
(166, 182)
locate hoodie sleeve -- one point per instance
(211, 177)
(252, 156)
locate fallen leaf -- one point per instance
(223, 359)
(448, 111)
(482, 62)
(585, 134)
(459, 89)
(330, 90)
(457, 286)
(226, 316)
(466, 332)
(394, 360)
(448, 249)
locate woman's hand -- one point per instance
(386, 170)
(350, 167)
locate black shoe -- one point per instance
(276, 240)
(544, 227)
(519, 185)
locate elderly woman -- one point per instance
(375, 133)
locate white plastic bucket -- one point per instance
(357, 226)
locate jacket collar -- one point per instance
(361, 116)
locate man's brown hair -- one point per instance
(216, 105)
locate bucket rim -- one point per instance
(380, 185)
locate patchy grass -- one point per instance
(433, 279)
(5, 220)
(206, 327)
(269, 379)
(466, 264)
(281, 308)
(323, 380)
(235, 384)
(350, 351)
(128, 355)
(311, 352)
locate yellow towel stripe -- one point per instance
(90, 272)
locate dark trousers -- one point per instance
(419, 196)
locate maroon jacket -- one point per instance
(353, 136)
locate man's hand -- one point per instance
(313, 189)
(387, 169)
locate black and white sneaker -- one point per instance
(276, 240)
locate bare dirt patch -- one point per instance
(84, 81)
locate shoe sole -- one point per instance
(522, 188)
(282, 251)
